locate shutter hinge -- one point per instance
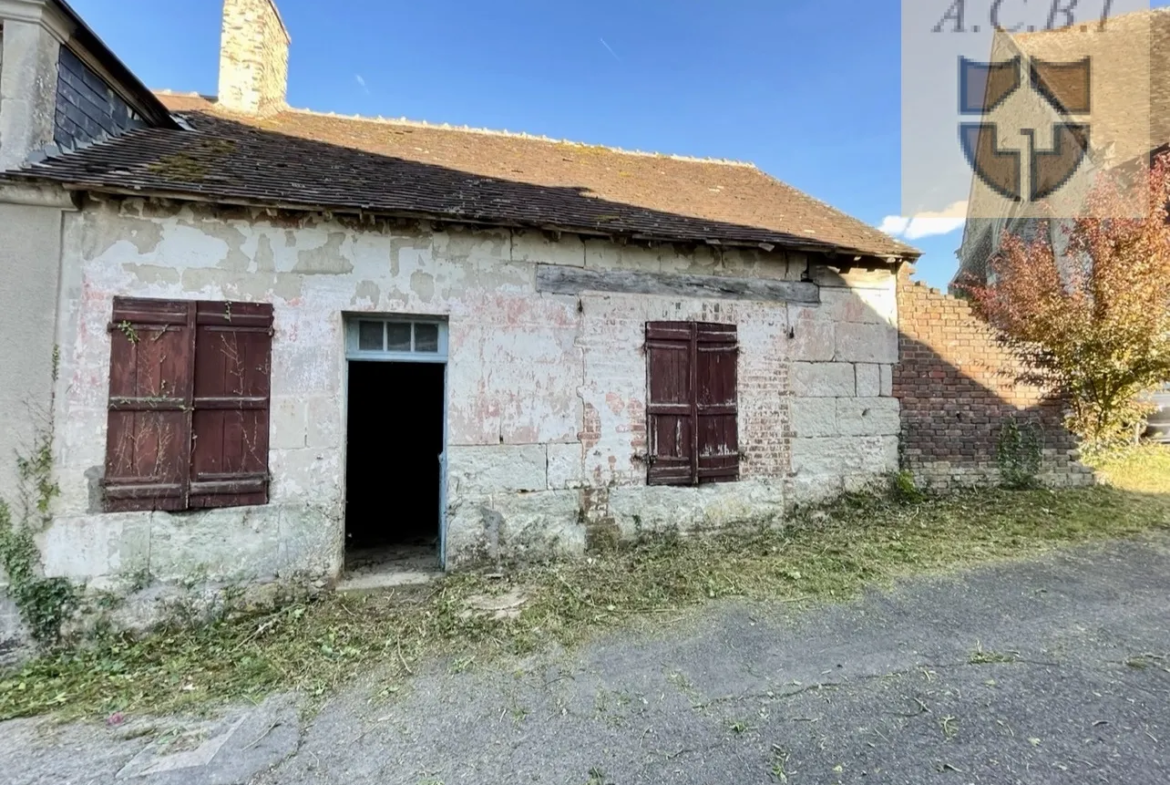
(645, 458)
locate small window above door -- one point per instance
(413, 340)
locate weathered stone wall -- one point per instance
(844, 416)
(957, 388)
(546, 411)
(28, 89)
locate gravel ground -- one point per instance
(1049, 671)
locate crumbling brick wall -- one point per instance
(958, 387)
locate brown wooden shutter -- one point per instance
(233, 351)
(717, 352)
(691, 403)
(669, 405)
(148, 435)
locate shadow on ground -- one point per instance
(1052, 671)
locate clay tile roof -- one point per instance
(298, 158)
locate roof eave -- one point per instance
(855, 255)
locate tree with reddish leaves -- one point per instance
(1092, 324)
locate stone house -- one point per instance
(268, 340)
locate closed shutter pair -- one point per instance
(691, 403)
(189, 404)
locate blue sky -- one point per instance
(808, 90)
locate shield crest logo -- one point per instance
(1057, 91)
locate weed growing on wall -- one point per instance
(904, 490)
(44, 603)
(1018, 453)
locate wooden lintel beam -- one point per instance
(558, 279)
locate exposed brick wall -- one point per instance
(957, 387)
(765, 427)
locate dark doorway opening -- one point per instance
(395, 437)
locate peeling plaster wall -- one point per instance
(546, 414)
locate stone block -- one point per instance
(855, 280)
(811, 489)
(869, 380)
(90, 546)
(866, 343)
(887, 380)
(839, 456)
(307, 476)
(565, 466)
(568, 251)
(823, 380)
(844, 305)
(497, 468)
(814, 416)
(231, 544)
(286, 429)
(651, 508)
(868, 416)
(654, 508)
(323, 423)
(863, 483)
(514, 526)
(312, 542)
(472, 530)
(812, 334)
(539, 526)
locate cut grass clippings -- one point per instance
(317, 646)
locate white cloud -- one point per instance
(895, 225)
(361, 82)
(926, 224)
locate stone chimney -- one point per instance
(253, 57)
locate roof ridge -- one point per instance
(403, 121)
(475, 130)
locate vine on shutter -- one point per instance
(670, 434)
(229, 456)
(189, 401)
(691, 403)
(717, 352)
(148, 435)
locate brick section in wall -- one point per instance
(957, 387)
(765, 429)
(87, 107)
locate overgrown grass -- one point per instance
(1143, 469)
(317, 646)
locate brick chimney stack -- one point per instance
(253, 57)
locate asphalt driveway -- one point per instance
(1051, 671)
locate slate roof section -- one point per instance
(303, 159)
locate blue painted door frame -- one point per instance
(437, 355)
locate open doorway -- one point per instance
(393, 475)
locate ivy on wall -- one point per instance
(44, 603)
